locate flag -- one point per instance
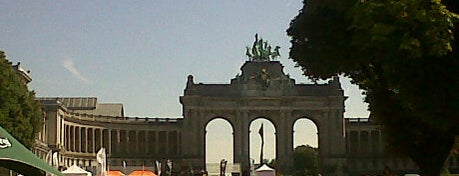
(223, 163)
(101, 158)
(49, 157)
(124, 166)
(261, 132)
(169, 165)
(158, 168)
(55, 160)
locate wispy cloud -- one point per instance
(70, 66)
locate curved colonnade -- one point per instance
(135, 141)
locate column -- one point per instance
(167, 143)
(156, 142)
(73, 139)
(284, 142)
(370, 147)
(66, 141)
(348, 143)
(93, 140)
(241, 139)
(109, 131)
(85, 140)
(118, 139)
(178, 143)
(359, 142)
(147, 141)
(78, 142)
(102, 139)
(381, 145)
(137, 141)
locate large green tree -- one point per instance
(403, 54)
(20, 113)
(305, 160)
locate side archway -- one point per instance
(219, 140)
(305, 132)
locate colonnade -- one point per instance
(364, 142)
(121, 142)
(366, 153)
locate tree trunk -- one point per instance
(431, 153)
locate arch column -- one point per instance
(167, 142)
(178, 143)
(156, 142)
(284, 149)
(137, 143)
(241, 140)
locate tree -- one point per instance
(305, 160)
(20, 113)
(403, 54)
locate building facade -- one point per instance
(77, 127)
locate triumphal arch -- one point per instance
(263, 90)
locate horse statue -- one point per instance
(261, 51)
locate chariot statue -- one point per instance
(261, 51)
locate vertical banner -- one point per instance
(261, 132)
(101, 158)
(223, 163)
(169, 165)
(158, 168)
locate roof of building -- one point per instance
(105, 109)
(79, 103)
(86, 105)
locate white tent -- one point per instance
(76, 171)
(265, 170)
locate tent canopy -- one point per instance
(75, 170)
(142, 173)
(114, 173)
(265, 167)
(265, 170)
(15, 156)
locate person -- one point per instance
(387, 171)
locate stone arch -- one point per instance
(330, 135)
(313, 118)
(295, 132)
(254, 131)
(214, 117)
(206, 133)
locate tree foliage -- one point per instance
(305, 160)
(403, 54)
(20, 114)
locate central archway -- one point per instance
(262, 131)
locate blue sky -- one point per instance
(139, 53)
